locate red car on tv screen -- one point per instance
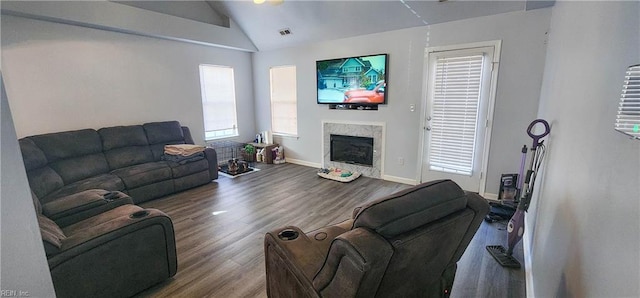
(373, 94)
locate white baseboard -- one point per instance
(399, 179)
(303, 162)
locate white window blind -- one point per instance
(628, 119)
(284, 106)
(218, 101)
(456, 87)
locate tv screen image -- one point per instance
(352, 80)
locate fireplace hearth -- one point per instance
(351, 149)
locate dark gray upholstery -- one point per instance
(120, 158)
(404, 245)
(115, 250)
(163, 133)
(144, 174)
(68, 144)
(125, 146)
(103, 181)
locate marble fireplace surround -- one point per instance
(375, 130)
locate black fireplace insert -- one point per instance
(351, 150)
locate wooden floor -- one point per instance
(220, 227)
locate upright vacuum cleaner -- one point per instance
(515, 228)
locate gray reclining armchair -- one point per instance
(105, 247)
(404, 245)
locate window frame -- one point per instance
(230, 132)
(275, 128)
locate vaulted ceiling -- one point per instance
(223, 22)
(310, 21)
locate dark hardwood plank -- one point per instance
(220, 229)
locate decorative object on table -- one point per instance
(249, 153)
(278, 153)
(267, 137)
(264, 137)
(260, 155)
(338, 174)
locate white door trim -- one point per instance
(497, 45)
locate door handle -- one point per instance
(428, 128)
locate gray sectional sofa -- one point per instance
(84, 184)
(120, 158)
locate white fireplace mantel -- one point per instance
(375, 130)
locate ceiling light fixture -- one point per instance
(258, 1)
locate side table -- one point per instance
(268, 156)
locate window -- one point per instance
(284, 106)
(218, 101)
(628, 118)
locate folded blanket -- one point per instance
(183, 159)
(183, 149)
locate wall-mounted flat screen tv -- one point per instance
(353, 80)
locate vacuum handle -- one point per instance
(536, 138)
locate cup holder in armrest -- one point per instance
(288, 234)
(139, 214)
(110, 196)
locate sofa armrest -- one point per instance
(290, 264)
(212, 157)
(357, 257)
(132, 251)
(79, 206)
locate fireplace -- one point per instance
(374, 131)
(351, 150)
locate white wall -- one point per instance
(62, 77)
(24, 267)
(586, 240)
(523, 36)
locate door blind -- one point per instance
(628, 119)
(454, 113)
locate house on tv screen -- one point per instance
(351, 72)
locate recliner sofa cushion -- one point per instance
(42, 178)
(78, 168)
(44, 181)
(189, 168)
(32, 156)
(411, 208)
(125, 146)
(74, 155)
(144, 174)
(163, 133)
(102, 181)
(68, 144)
(122, 136)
